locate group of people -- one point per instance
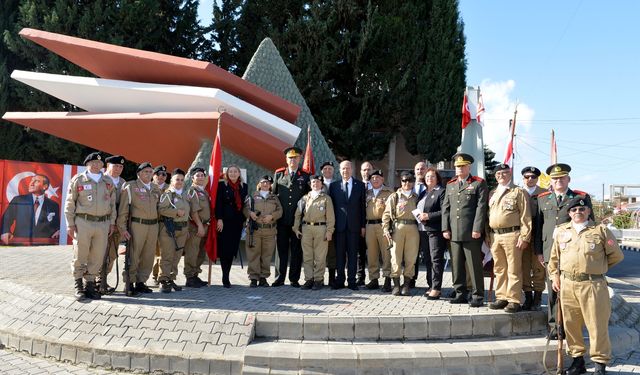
(346, 225)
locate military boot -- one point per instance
(600, 368)
(373, 284)
(332, 277)
(79, 287)
(528, 301)
(537, 300)
(396, 286)
(90, 290)
(577, 366)
(387, 285)
(165, 286)
(406, 287)
(131, 291)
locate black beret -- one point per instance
(558, 170)
(377, 172)
(406, 175)
(461, 159)
(195, 170)
(330, 163)
(93, 156)
(533, 170)
(115, 159)
(317, 177)
(501, 167)
(292, 152)
(160, 168)
(177, 171)
(266, 177)
(578, 201)
(142, 166)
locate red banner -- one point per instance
(32, 202)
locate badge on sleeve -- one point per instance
(87, 187)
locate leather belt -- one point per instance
(313, 224)
(506, 230)
(144, 221)
(582, 276)
(265, 226)
(403, 221)
(379, 221)
(88, 217)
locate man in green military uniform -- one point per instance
(552, 209)
(290, 185)
(464, 215)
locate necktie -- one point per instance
(559, 199)
(346, 189)
(36, 204)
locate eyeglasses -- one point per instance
(530, 177)
(407, 180)
(578, 209)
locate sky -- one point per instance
(572, 67)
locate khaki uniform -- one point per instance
(264, 236)
(398, 220)
(510, 221)
(170, 203)
(156, 261)
(91, 208)
(114, 239)
(377, 245)
(317, 220)
(144, 226)
(532, 270)
(582, 259)
(194, 253)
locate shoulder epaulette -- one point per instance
(476, 178)
(281, 169)
(451, 181)
(579, 192)
(543, 194)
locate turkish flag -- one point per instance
(309, 164)
(215, 167)
(466, 114)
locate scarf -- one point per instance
(235, 186)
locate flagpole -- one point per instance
(513, 139)
(214, 226)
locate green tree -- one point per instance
(623, 220)
(489, 165)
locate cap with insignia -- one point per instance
(501, 167)
(377, 172)
(316, 177)
(92, 156)
(267, 178)
(160, 168)
(578, 201)
(143, 166)
(195, 170)
(533, 170)
(177, 171)
(329, 163)
(461, 159)
(406, 175)
(292, 152)
(558, 170)
(115, 159)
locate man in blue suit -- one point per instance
(348, 197)
(34, 215)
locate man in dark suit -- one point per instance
(348, 197)
(34, 215)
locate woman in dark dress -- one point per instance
(230, 201)
(430, 203)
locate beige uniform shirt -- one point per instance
(376, 204)
(200, 203)
(318, 210)
(171, 202)
(510, 208)
(593, 251)
(398, 207)
(85, 196)
(266, 206)
(144, 202)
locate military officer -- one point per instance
(464, 215)
(160, 175)
(510, 223)
(90, 210)
(115, 165)
(328, 170)
(532, 265)
(377, 244)
(263, 211)
(551, 210)
(290, 184)
(139, 199)
(199, 224)
(581, 254)
(314, 224)
(400, 229)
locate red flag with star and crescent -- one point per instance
(466, 114)
(215, 168)
(309, 164)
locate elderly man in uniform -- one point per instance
(290, 185)
(464, 215)
(581, 254)
(194, 253)
(510, 223)
(115, 165)
(377, 245)
(90, 210)
(532, 265)
(160, 175)
(139, 199)
(552, 209)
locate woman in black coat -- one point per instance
(230, 201)
(430, 229)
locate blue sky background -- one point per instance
(572, 65)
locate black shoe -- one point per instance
(512, 307)
(295, 284)
(373, 284)
(396, 286)
(430, 297)
(90, 290)
(337, 286)
(104, 288)
(253, 284)
(131, 291)
(201, 282)
(225, 281)
(459, 300)
(528, 301)
(79, 290)
(306, 286)
(600, 368)
(499, 304)
(317, 285)
(263, 282)
(406, 287)
(412, 283)
(192, 282)
(142, 288)
(353, 287)
(386, 288)
(278, 283)
(537, 301)
(476, 302)
(165, 286)
(577, 366)
(452, 294)
(360, 281)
